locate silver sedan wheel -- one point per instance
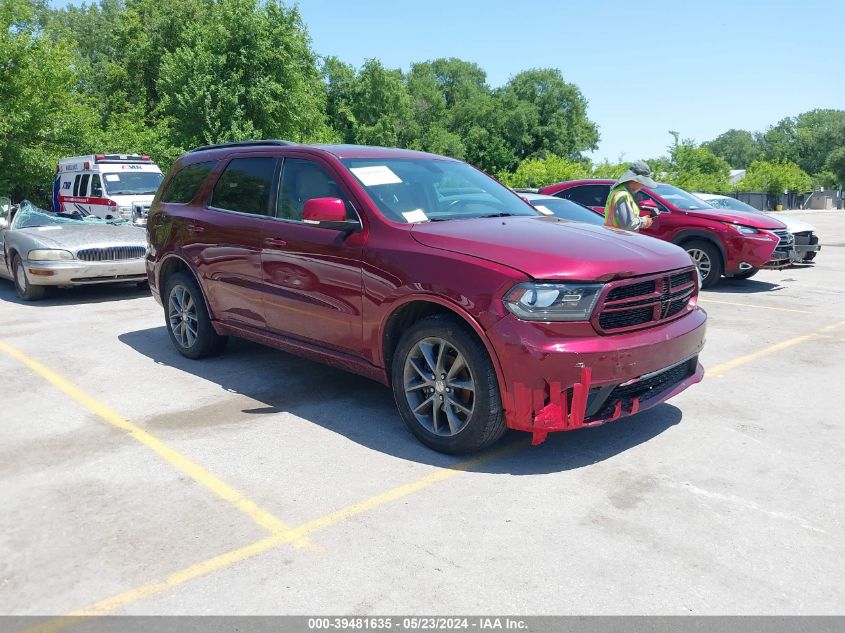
(439, 386)
(20, 276)
(702, 262)
(182, 316)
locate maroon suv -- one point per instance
(425, 274)
(720, 241)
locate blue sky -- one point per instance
(645, 67)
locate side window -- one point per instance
(245, 186)
(185, 184)
(301, 181)
(76, 185)
(83, 185)
(96, 186)
(588, 195)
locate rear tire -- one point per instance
(25, 290)
(187, 319)
(746, 274)
(707, 259)
(445, 386)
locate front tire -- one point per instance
(445, 386)
(188, 322)
(707, 259)
(25, 290)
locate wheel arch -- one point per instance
(692, 234)
(173, 264)
(414, 308)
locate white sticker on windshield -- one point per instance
(543, 210)
(113, 177)
(417, 215)
(376, 175)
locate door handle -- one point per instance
(275, 241)
(195, 228)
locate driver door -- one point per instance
(312, 275)
(662, 222)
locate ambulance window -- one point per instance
(96, 186)
(76, 185)
(184, 185)
(83, 185)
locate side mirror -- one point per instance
(328, 213)
(648, 208)
(3, 223)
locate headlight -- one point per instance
(48, 255)
(552, 302)
(745, 230)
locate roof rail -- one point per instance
(242, 144)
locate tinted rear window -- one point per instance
(184, 185)
(588, 195)
(245, 186)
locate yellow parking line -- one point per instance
(719, 370)
(177, 459)
(235, 556)
(751, 305)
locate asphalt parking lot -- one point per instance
(134, 481)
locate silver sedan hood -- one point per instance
(75, 236)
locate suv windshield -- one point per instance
(422, 189)
(137, 183)
(732, 204)
(681, 198)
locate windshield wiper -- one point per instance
(500, 215)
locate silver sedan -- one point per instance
(42, 249)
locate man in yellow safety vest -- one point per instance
(621, 210)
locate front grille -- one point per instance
(785, 239)
(646, 388)
(639, 303)
(111, 254)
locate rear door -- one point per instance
(313, 275)
(223, 238)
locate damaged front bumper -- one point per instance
(560, 383)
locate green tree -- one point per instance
(817, 134)
(775, 177)
(538, 172)
(245, 70)
(835, 165)
(606, 169)
(697, 169)
(381, 106)
(42, 116)
(340, 78)
(546, 115)
(779, 141)
(739, 148)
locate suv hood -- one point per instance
(746, 218)
(551, 248)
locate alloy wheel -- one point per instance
(702, 262)
(182, 316)
(439, 386)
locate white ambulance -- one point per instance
(107, 186)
